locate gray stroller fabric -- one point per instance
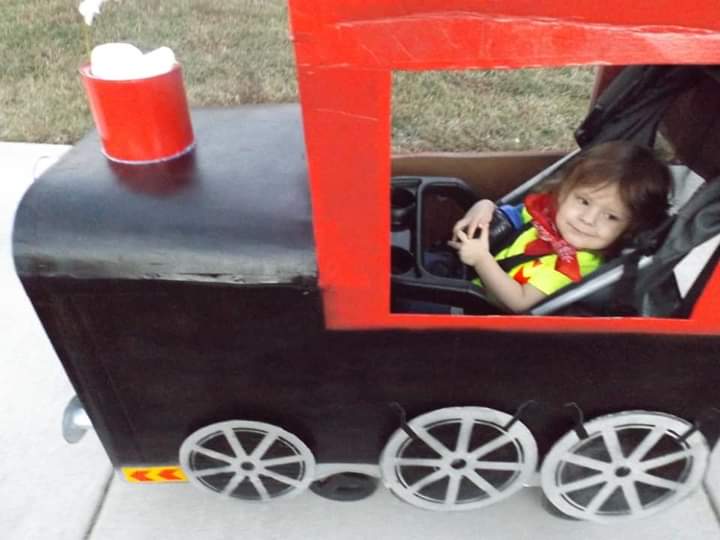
(632, 106)
(656, 291)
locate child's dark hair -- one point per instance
(643, 180)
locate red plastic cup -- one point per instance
(141, 120)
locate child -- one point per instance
(603, 197)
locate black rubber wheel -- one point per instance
(347, 486)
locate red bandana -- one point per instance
(542, 209)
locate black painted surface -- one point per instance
(155, 356)
(236, 209)
(154, 361)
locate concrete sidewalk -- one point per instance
(51, 490)
(48, 489)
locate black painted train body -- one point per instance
(182, 294)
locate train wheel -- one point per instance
(247, 460)
(631, 465)
(459, 458)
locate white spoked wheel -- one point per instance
(247, 460)
(463, 458)
(632, 464)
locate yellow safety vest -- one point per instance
(540, 272)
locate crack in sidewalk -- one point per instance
(99, 507)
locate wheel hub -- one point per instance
(623, 471)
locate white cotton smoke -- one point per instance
(89, 8)
(123, 61)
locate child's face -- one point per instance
(592, 217)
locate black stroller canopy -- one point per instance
(638, 98)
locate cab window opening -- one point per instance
(432, 191)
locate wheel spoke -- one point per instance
(483, 484)
(647, 444)
(216, 470)
(418, 462)
(427, 480)
(653, 480)
(281, 478)
(483, 450)
(633, 499)
(234, 482)
(260, 488)
(234, 442)
(497, 465)
(583, 483)
(432, 442)
(212, 454)
(266, 443)
(612, 443)
(600, 497)
(587, 462)
(667, 459)
(453, 490)
(463, 441)
(287, 460)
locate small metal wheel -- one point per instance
(631, 465)
(247, 460)
(462, 458)
(345, 486)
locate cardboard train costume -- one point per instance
(219, 327)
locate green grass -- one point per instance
(232, 51)
(489, 110)
(238, 51)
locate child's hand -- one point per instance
(472, 251)
(480, 214)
